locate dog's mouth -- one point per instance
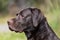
(16, 30)
(13, 29)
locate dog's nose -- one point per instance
(10, 22)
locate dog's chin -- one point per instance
(15, 30)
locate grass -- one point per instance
(12, 36)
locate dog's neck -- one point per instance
(30, 33)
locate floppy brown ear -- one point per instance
(37, 16)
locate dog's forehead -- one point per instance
(26, 12)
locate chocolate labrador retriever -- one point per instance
(33, 23)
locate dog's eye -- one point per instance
(16, 14)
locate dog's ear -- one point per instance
(37, 16)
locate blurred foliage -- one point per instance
(3, 5)
(12, 36)
(45, 5)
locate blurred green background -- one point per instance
(8, 9)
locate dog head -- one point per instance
(27, 19)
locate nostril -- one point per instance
(8, 22)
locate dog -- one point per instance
(33, 23)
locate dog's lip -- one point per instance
(13, 29)
(16, 31)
